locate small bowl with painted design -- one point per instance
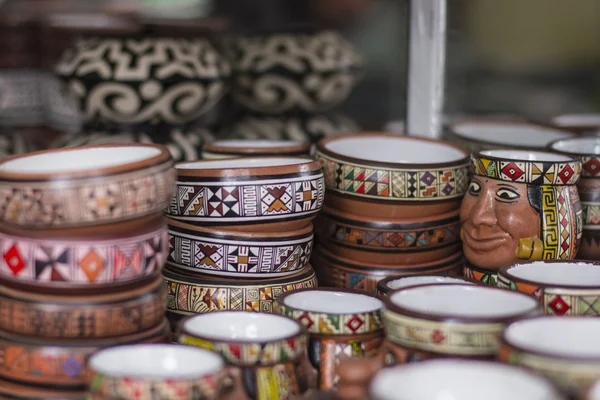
(390, 284)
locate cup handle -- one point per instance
(308, 374)
(234, 385)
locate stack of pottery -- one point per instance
(82, 244)
(392, 209)
(240, 233)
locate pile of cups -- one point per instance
(82, 245)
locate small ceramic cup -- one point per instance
(578, 123)
(160, 372)
(564, 349)
(254, 148)
(460, 380)
(562, 287)
(268, 349)
(342, 324)
(388, 285)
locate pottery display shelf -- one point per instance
(392, 208)
(82, 245)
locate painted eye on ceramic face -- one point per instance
(474, 188)
(507, 194)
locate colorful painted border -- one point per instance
(591, 215)
(591, 166)
(484, 277)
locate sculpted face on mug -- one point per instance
(494, 216)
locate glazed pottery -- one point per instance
(337, 271)
(478, 135)
(460, 380)
(521, 205)
(13, 391)
(253, 194)
(578, 123)
(238, 254)
(388, 285)
(588, 150)
(58, 363)
(562, 287)
(305, 71)
(388, 241)
(451, 320)
(564, 349)
(254, 148)
(341, 323)
(84, 259)
(196, 293)
(158, 372)
(85, 316)
(85, 185)
(267, 348)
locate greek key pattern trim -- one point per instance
(532, 172)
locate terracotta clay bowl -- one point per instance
(578, 123)
(14, 391)
(193, 293)
(238, 254)
(388, 285)
(448, 315)
(84, 260)
(459, 379)
(249, 194)
(388, 241)
(563, 287)
(254, 148)
(564, 349)
(60, 364)
(88, 185)
(337, 271)
(155, 370)
(477, 135)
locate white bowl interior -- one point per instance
(332, 302)
(591, 120)
(395, 150)
(458, 380)
(424, 280)
(557, 336)
(156, 361)
(469, 301)
(523, 155)
(256, 143)
(79, 159)
(586, 145)
(512, 134)
(559, 274)
(248, 162)
(244, 326)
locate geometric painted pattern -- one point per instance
(489, 278)
(247, 201)
(111, 198)
(83, 263)
(236, 256)
(591, 166)
(393, 184)
(591, 214)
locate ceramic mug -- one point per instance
(156, 372)
(388, 285)
(268, 349)
(342, 324)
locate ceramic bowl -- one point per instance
(447, 316)
(459, 379)
(87, 185)
(89, 260)
(477, 135)
(254, 148)
(564, 349)
(394, 169)
(13, 391)
(155, 370)
(238, 254)
(388, 241)
(253, 194)
(196, 293)
(337, 271)
(391, 284)
(298, 71)
(56, 363)
(578, 123)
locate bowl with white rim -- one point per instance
(447, 315)
(254, 148)
(87, 185)
(249, 193)
(155, 369)
(564, 349)
(578, 123)
(459, 379)
(563, 287)
(392, 283)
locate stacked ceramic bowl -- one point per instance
(240, 232)
(82, 244)
(392, 208)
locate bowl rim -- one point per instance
(307, 167)
(505, 272)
